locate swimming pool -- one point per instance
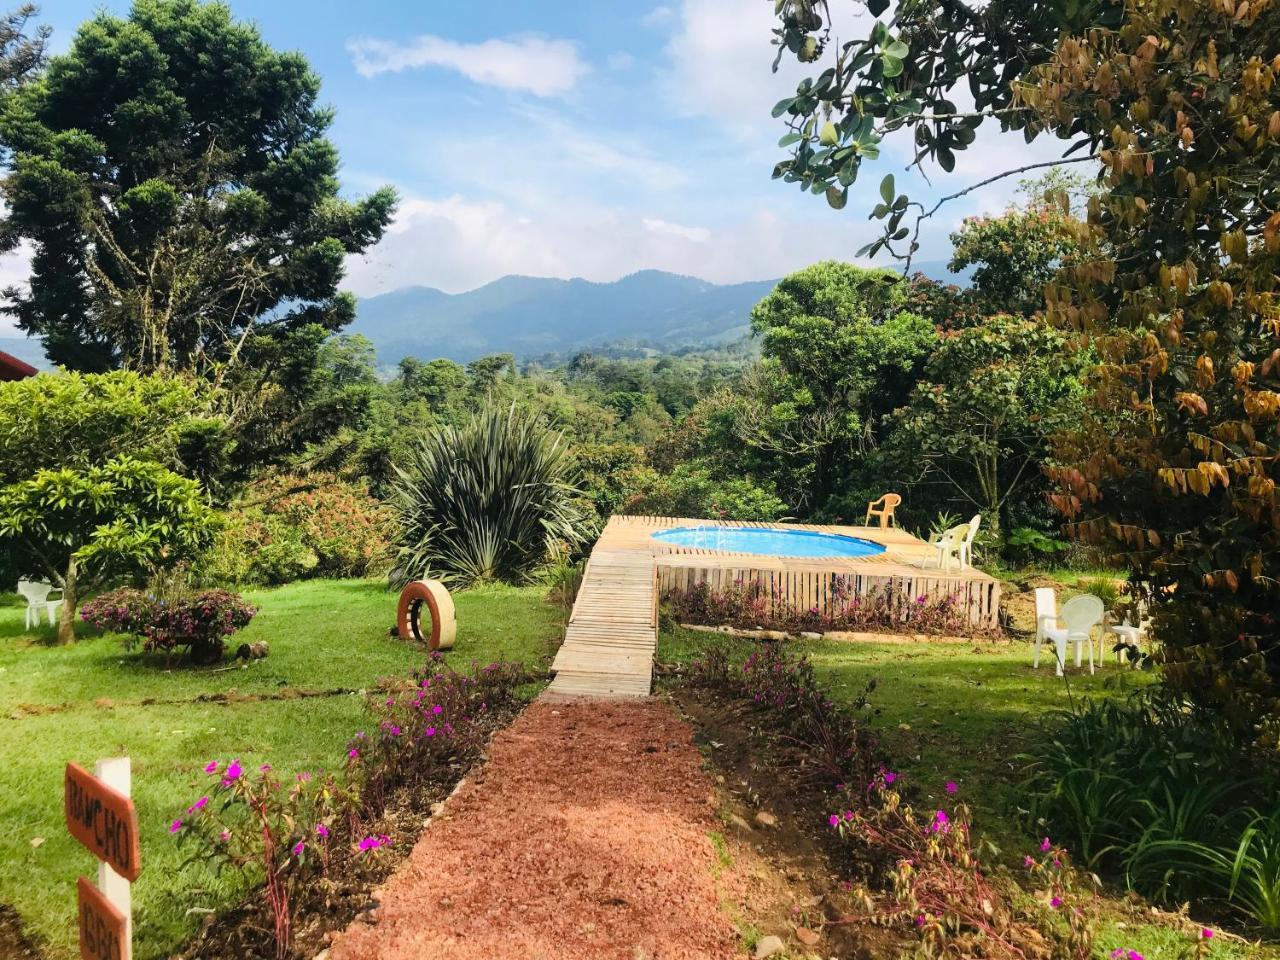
(776, 543)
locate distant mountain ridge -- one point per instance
(542, 316)
(534, 316)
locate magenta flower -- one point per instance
(353, 754)
(322, 831)
(951, 786)
(920, 920)
(890, 776)
(1055, 902)
(1028, 861)
(834, 820)
(1045, 845)
(1117, 953)
(941, 822)
(211, 766)
(298, 848)
(232, 773)
(175, 826)
(1206, 933)
(437, 709)
(429, 732)
(198, 805)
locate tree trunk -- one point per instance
(67, 617)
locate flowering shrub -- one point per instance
(836, 746)
(750, 605)
(252, 822)
(201, 621)
(287, 528)
(289, 834)
(937, 885)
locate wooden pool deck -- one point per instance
(613, 631)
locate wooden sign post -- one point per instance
(101, 816)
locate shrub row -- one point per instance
(748, 605)
(925, 874)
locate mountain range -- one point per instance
(537, 316)
(533, 316)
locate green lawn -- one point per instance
(961, 712)
(94, 700)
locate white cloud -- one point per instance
(537, 65)
(456, 243)
(15, 270)
(694, 234)
(721, 62)
(658, 16)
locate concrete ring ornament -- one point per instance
(432, 595)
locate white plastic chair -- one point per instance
(1073, 625)
(966, 545)
(948, 544)
(36, 593)
(1136, 636)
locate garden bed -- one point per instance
(848, 636)
(333, 902)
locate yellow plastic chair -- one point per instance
(882, 509)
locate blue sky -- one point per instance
(572, 138)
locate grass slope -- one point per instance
(94, 700)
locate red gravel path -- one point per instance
(584, 836)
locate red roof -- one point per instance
(11, 368)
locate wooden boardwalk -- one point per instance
(612, 634)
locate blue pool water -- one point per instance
(778, 543)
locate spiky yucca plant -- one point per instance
(492, 499)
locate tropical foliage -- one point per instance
(491, 499)
(1175, 280)
(95, 478)
(1162, 796)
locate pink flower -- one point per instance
(232, 773)
(1045, 845)
(322, 831)
(175, 826)
(429, 732)
(951, 786)
(1117, 953)
(265, 768)
(834, 820)
(298, 848)
(1206, 933)
(437, 709)
(890, 776)
(920, 920)
(353, 754)
(224, 836)
(198, 805)
(1028, 862)
(1055, 902)
(211, 766)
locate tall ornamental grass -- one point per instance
(493, 499)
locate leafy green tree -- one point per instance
(22, 49)
(91, 478)
(1174, 470)
(693, 490)
(983, 416)
(840, 351)
(172, 174)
